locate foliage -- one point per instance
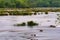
(29, 3)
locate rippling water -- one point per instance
(10, 32)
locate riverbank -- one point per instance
(26, 11)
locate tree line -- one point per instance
(29, 3)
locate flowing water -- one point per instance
(10, 32)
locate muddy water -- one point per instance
(10, 32)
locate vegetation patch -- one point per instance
(31, 23)
(15, 13)
(22, 24)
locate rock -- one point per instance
(33, 35)
(41, 30)
(52, 26)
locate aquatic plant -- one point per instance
(31, 23)
(21, 24)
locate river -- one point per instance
(10, 32)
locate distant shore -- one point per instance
(26, 11)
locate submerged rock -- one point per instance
(52, 26)
(34, 39)
(34, 35)
(46, 12)
(41, 30)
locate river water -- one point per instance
(10, 32)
